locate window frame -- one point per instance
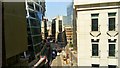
(112, 15)
(112, 50)
(94, 17)
(97, 50)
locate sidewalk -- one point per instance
(57, 61)
(65, 62)
(73, 55)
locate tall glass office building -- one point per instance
(35, 13)
(70, 14)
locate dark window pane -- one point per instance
(32, 14)
(29, 40)
(35, 31)
(112, 14)
(60, 25)
(95, 65)
(111, 24)
(111, 66)
(36, 40)
(30, 5)
(94, 49)
(111, 49)
(94, 24)
(95, 15)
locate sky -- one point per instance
(55, 8)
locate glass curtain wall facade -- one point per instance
(35, 12)
(69, 14)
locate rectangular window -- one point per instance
(60, 25)
(111, 24)
(94, 49)
(95, 65)
(111, 21)
(94, 22)
(111, 49)
(111, 66)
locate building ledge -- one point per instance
(95, 56)
(95, 33)
(112, 57)
(112, 33)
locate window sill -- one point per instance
(112, 57)
(95, 56)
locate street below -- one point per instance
(56, 62)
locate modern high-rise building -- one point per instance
(57, 26)
(71, 22)
(35, 11)
(98, 38)
(14, 33)
(57, 30)
(70, 15)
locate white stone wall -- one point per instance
(84, 44)
(80, 2)
(119, 38)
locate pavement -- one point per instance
(56, 63)
(74, 57)
(60, 63)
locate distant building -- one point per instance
(57, 26)
(98, 38)
(14, 33)
(71, 22)
(53, 28)
(49, 28)
(44, 28)
(58, 32)
(35, 11)
(65, 21)
(69, 34)
(70, 14)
